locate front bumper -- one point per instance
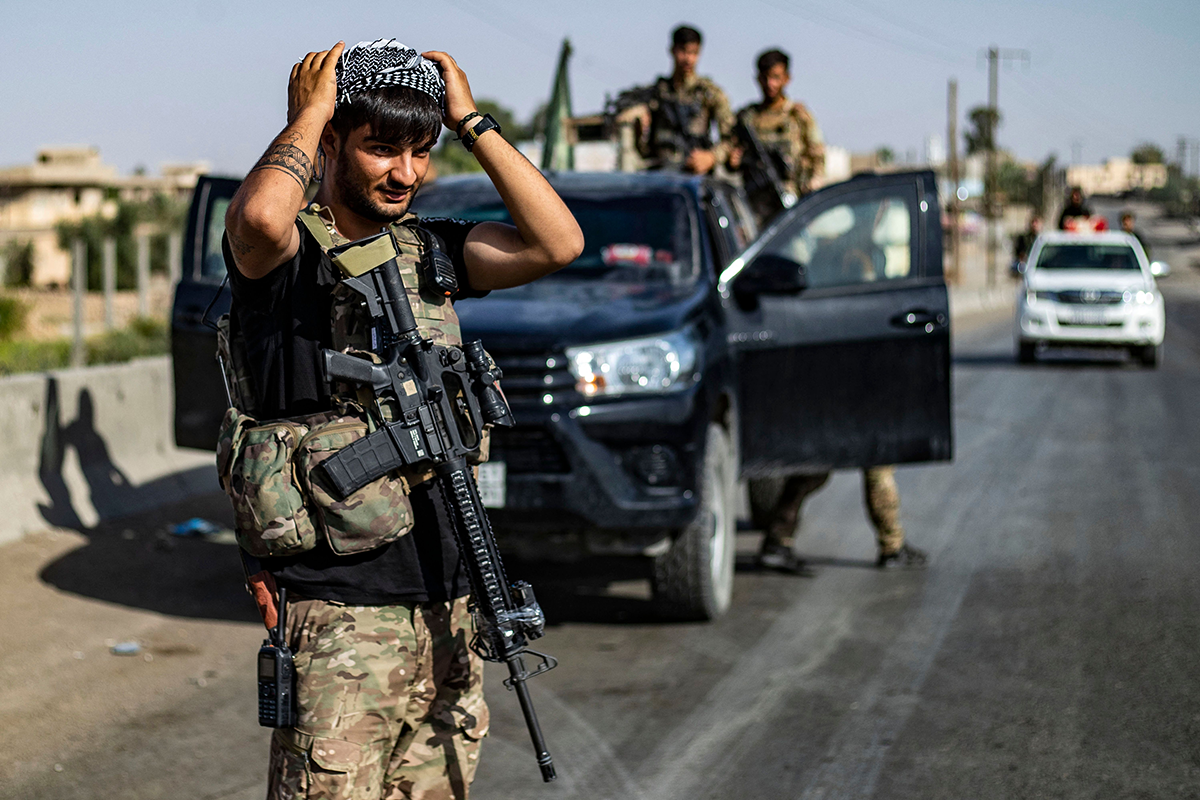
(1114, 325)
(611, 478)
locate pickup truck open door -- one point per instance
(200, 399)
(840, 322)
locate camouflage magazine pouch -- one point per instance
(254, 464)
(370, 517)
(281, 504)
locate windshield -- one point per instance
(1087, 256)
(633, 238)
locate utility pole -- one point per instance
(79, 285)
(110, 281)
(952, 162)
(143, 273)
(991, 206)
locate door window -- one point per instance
(860, 240)
(212, 267)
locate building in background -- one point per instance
(1116, 176)
(68, 184)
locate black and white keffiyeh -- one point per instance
(386, 62)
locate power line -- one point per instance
(917, 30)
(826, 20)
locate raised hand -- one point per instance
(313, 84)
(459, 101)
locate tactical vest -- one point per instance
(281, 504)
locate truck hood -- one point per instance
(1056, 280)
(558, 313)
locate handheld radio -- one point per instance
(277, 675)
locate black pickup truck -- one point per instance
(683, 352)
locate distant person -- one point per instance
(679, 112)
(1023, 242)
(1074, 209)
(787, 130)
(882, 499)
(1127, 226)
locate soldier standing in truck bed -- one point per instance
(679, 110)
(786, 127)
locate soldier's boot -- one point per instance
(883, 507)
(779, 539)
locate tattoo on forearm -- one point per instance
(239, 245)
(287, 158)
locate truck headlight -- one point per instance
(655, 364)
(1142, 298)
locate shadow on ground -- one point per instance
(1070, 359)
(134, 561)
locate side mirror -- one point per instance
(1159, 269)
(771, 274)
(1018, 269)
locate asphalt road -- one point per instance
(1050, 650)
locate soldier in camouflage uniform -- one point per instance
(882, 499)
(389, 693)
(785, 127)
(680, 112)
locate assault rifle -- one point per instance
(441, 397)
(676, 116)
(760, 173)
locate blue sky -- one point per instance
(153, 82)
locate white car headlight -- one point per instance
(654, 364)
(1142, 298)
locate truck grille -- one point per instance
(1090, 297)
(528, 450)
(535, 376)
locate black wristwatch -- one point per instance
(471, 135)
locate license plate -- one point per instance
(493, 477)
(1086, 318)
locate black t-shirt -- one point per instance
(284, 318)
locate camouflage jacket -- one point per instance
(792, 135)
(695, 106)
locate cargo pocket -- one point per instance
(257, 474)
(314, 766)
(370, 517)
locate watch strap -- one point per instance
(471, 135)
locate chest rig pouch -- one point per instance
(282, 503)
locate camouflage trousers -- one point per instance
(390, 703)
(882, 499)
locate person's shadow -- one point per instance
(132, 558)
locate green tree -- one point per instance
(981, 136)
(885, 154)
(1014, 182)
(18, 262)
(1147, 153)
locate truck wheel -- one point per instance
(1150, 355)
(694, 579)
(764, 494)
(1026, 352)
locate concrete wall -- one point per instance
(87, 444)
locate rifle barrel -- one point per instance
(516, 669)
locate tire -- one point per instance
(1149, 355)
(1026, 352)
(764, 494)
(694, 579)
